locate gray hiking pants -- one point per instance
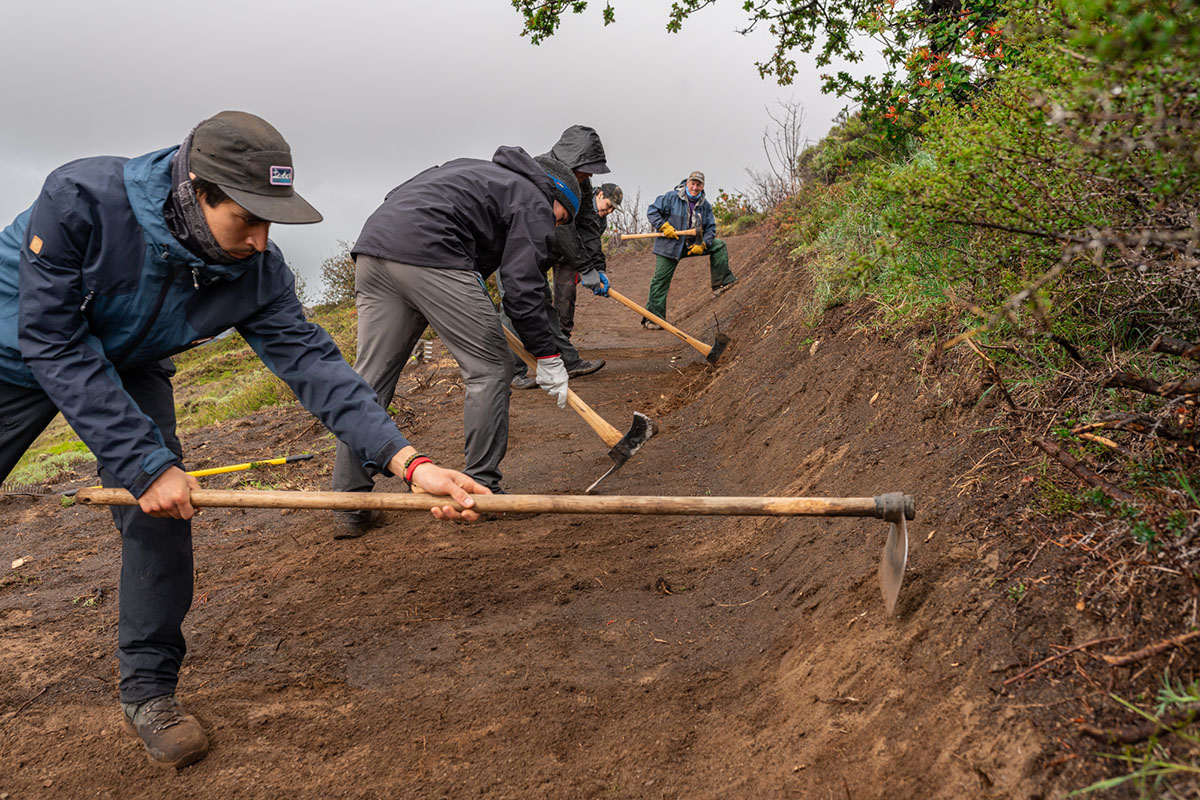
(395, 302)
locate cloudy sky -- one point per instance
(369, 92)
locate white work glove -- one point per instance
(552, 376)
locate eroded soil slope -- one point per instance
(558, 656)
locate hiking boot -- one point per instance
(723, 288)
(172, 737)
(524, 382)
(651, 326)
(586, 368)
(355, 523)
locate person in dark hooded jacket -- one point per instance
(576, 251)
(684, 208)
(119, 264)
(422, 259)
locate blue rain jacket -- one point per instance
(672, 207)
(92, 283)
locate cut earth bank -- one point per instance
(561, 656)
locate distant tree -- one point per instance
(629, 218)
(782, 142)
(337, 276)
(301, 287)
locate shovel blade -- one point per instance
(893, 562)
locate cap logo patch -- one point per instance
(35, 245)
(281, 176)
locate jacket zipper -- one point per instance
(162, 296)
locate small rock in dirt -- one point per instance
(812, 351)
(22, 561)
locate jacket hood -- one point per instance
(148, 184)
(578, 145)
(520, 162)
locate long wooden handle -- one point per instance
(694, 342)
(550, 504)
(607, 432)
(688, 232)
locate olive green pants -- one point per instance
(664, 270)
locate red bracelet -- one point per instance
(416, 462)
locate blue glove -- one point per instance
(595, 280)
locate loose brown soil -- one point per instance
(578, 657)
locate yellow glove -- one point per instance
(696, 249)
(667, 230)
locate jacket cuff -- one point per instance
(385, 456)
(152, 466)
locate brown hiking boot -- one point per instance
(172, 737)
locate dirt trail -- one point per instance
(574, 657)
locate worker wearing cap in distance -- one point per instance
(562, 311)
(606, 198)
(684, 208)
(580, 148)
(119, 264)
(422, 259)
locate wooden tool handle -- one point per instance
(694, 342)
(606, 432)
(688, 232)
(550, 504)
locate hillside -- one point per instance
(559, 656)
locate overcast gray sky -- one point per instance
(370, 92)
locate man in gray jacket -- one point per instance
(422, 258)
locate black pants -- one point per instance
(156, 554)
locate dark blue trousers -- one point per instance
(156, 554)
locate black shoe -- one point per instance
(651, 326)
(723, 288)
(355, 523)
(524, 382)
(586, 368)
(172, 737)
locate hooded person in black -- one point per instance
(577, 248)
(422, 258)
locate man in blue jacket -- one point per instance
(119, 264)
(684, 208)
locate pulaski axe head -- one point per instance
(639, 433)
(895, 508)
(718, 347)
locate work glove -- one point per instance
(668, 230)
(552, 376)
(696, 249)
(595, 280)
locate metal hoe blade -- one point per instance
(893, 562)
(719, 345)
(639, 433)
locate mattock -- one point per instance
(894, 508)
(622, 446)
(710, 352)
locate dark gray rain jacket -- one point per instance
(485, 216)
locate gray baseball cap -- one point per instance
(252, 163)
